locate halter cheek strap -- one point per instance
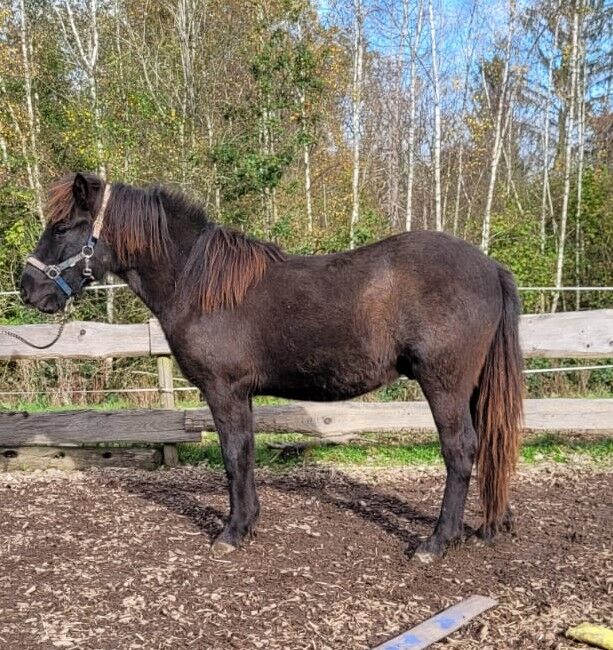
(54, 271)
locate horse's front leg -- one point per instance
(234, 421)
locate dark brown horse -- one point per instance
(243, 318)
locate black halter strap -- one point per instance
(54, 271)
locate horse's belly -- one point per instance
(326, 386)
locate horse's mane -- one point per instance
(134, 222)
(222, 264)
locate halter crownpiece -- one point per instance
(54, 271)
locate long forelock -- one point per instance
(60, 199)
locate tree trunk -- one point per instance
(567, 158)
(414, 43)
(581, 90)
(437, 123)
(498, 137)
(546, 131)
(395, 136)
(358, 56)
(460, 174)
(32, 125)
(306, 157)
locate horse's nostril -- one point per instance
(23, 292)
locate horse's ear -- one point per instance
(80, 191)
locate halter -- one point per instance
(54, 271)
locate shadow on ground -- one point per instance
(394, 515)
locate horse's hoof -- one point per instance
(429, 551)
(484, 536)
(425, 557)
(475, 540)
(219, 549)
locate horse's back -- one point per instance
(406, 281)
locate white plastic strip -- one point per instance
(438, 627)
(100, 390)
(565, 288)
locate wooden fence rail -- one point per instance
(575, 334)
(323, 420)
(584, 334)
(23, 435)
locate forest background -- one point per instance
(321, 125)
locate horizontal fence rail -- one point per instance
(583, 334)
(586, 334)
(330, 421)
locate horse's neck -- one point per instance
(155, 283)
(155, 287)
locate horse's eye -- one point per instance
(61, 230)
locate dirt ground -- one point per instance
(119, 559)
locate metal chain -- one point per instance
(56, 338)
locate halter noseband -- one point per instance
(54, 271)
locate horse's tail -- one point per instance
(499, 410)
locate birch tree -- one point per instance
(469, 56)
(499, 129)
(571, 95)
(546, 134)
(414, 40)
(84, 50)
(306, 157)
(33, 128)
(302, 83)
(190, 24)
(356, 113)
(21, 109)
(437, 121)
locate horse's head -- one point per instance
(68, 254)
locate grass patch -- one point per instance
(553, 448)
(209, 452)
(113, 402)
(543, 449)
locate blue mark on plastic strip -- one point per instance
(447, 622)
(439, 626)
(406, 642)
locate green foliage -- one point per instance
(516, 242)
(370, 227)
(596, 236)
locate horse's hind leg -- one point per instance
(459, 446)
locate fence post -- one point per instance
(167, 398)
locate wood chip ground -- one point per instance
(115, 559)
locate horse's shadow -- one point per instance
(177, 493)
(393, 515)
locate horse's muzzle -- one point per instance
(40, 294)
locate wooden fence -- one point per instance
(582, 334)
(587, 335)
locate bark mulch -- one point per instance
(119, 559)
